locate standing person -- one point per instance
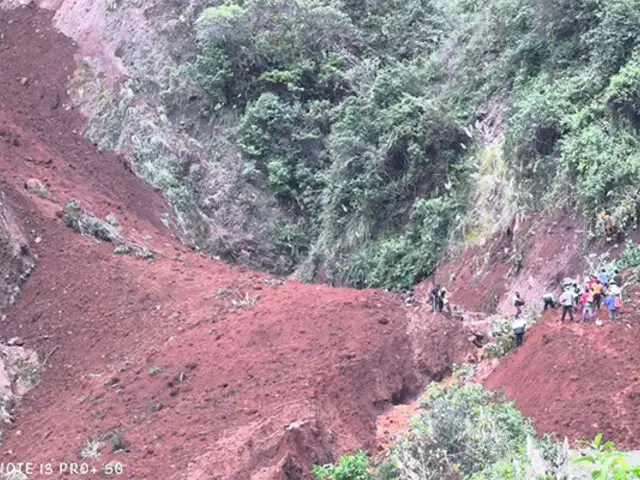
(444, 301)
(604, 277)
(566, 300)
(518, 303)
(613, 303)
(519, 327)
(608, 224)
(434, 296)
(577, 292)
(549, 301)
(597, 295)
(617, 278)
(615, 290)
(587, 306)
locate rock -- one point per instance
(33, 184)
(383, 321)
(15, 342)
(37, 240)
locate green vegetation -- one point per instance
(362, 133)
(467, 433)
(349, 467)
(380, 131)
(502, 337)
(630, 256)
(606, 462)
(463, 432)
(106, 230)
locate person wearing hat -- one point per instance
(567, 300)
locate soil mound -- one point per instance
(578, 380)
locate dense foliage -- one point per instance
(464, 432)
(358, 118)
(468, 433)
(336, 119)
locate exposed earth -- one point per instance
(199, 369)
(181, 367)
(578, 380)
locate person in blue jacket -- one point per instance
(604, 277)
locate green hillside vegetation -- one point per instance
(466, 432)
(359, 121)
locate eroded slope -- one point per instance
(178, 367)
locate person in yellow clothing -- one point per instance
(596, 288)
(607, 222)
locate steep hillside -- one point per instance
(175, 365)
(351, 142)
(578, 380)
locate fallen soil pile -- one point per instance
(177, 366)
(578, 380)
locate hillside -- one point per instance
(577, 381)
(207, 211)
(195, 368)
(357, 158)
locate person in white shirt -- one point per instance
(519, 327)
(567, 300)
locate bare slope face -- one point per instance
(177, 367)
(129, 56)
(15, 262)
(578, 380)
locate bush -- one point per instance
(606, 462)
(466, 432)
(349, 467)
(630, 256)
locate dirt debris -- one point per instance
(578, 380)
(288, 376)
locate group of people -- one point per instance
(597, 290)
(439, 300)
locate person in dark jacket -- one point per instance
(617, 278)
(434, 298)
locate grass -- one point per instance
(116, 440)
(43, 192)
(106, 230)
(154, 371)
(29, 372)
(92, 449)
(245, 302)
(16, 475)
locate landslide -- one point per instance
(177, 366)
(578, 380)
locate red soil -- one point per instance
(262, 389)
(484, 279)
(578, 380)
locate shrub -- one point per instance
(606, 462)
(630, 256)
(349, 467)
(467, 432)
